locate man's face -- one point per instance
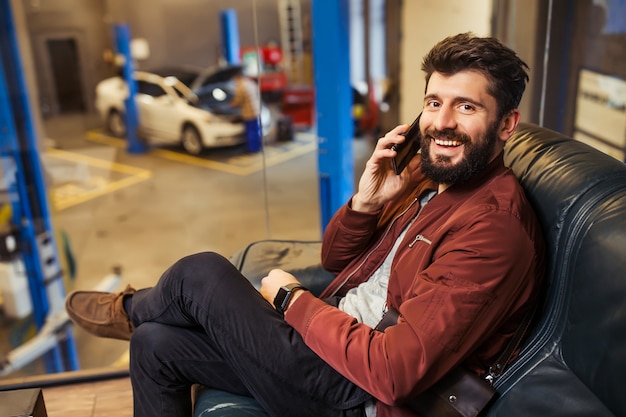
(460, 133)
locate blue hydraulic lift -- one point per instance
(22, 173)
(230, 36)
(333, 102)
(131, 114)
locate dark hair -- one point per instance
(505, 71)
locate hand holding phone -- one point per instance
(407, 149)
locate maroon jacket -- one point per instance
(461, 279)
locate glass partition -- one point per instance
(123, 217)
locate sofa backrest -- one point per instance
(573, 362)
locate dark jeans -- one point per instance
(205, 323)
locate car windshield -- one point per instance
(151, 89)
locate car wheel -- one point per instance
(116, 124)
(191, 140)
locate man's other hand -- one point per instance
(272, 283)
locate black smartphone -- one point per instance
(407, 149)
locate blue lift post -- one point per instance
(131, 114)
(333, 101)
(230, 36)
(26, 190)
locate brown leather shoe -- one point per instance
(100, 313)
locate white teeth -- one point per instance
(447, 142)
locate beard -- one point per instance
(477, 155)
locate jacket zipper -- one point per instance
(380, 241)
(420, 238)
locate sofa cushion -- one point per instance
(574, 360)
(215, 403)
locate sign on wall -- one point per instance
(600, 118)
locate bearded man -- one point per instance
(451, 243)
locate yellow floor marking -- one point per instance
(5, 213)
(96, 162)
(71, 194)
(192, 160)
(238, 165)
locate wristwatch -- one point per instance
(281, 301)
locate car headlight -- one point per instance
(219, 94)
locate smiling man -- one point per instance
(458, 103)
(450, 121)
(450, 243)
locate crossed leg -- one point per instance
(203, 322)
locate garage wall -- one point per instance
(188, 31)
(23, 40)
(514, 22)
(424, 23)
(519, 25)
(177, 31)
(77, 24)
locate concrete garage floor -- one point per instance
(143, 212)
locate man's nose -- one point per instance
(445, 118)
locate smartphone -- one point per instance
(407, 149)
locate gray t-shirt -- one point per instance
(368, 301)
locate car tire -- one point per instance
(116, 125)
(191, 140)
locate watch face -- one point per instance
(284, 295)
(281, 300)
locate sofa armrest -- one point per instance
(301, 258)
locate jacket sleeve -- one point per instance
(479, 273)
(347, 235)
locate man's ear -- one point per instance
(508, 125)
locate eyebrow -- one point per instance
(458, 99)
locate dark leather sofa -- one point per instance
(574, 360)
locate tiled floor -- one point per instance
(110, 398)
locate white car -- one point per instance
(178, 106)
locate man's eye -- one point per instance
(467, 107)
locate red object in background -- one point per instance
(270, 76)
(297, 103)
(273, 82)
(272, 55)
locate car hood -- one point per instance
(215, 75)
